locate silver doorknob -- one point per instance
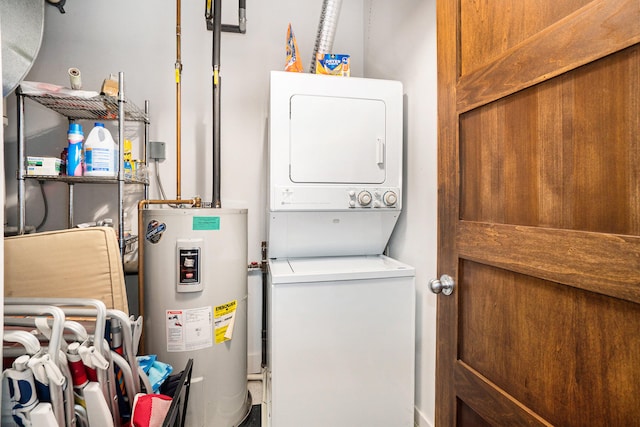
(445, 285)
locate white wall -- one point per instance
(393, 40)
(400, 44)
(138, 38)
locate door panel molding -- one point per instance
(471, 384)
(575, 258)
(609, 26)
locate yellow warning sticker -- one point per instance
(223, 321)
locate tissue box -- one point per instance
(43, 166)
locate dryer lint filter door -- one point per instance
(337, 140)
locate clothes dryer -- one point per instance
(335, 164)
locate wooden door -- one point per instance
(539, 212)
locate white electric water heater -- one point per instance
(195, 296)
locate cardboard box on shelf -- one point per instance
(110, 86)
(43, 166)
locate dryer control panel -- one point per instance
(323, 198)
(377, 198)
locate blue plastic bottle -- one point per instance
(74, 157)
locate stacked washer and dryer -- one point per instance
(341, 316)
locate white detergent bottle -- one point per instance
(99, 152)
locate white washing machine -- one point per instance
(341, 342)
(341, 316)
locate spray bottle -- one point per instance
(74, 154)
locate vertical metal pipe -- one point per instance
(121, 118)
(70, 220)
(21, 159)
(216, 202)
(70, 191)
(144, 145)
(178, 71)
(264, 268)
(242, 16)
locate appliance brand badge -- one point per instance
(155, 230)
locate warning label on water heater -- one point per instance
(190, 329)
(225, 316)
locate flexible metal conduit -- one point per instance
(326, 30)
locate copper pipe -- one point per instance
(196, 202)
(178, 67)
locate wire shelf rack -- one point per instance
(101, 107)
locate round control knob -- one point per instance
(364, 198)
(352, 193)
(352, 204)
(390, 198)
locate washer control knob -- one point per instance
(352, 193)
(376, 203)
(390, 198)
(352, 203)
(364, 198)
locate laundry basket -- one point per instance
(178, 409)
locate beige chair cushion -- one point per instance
(74, 263)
